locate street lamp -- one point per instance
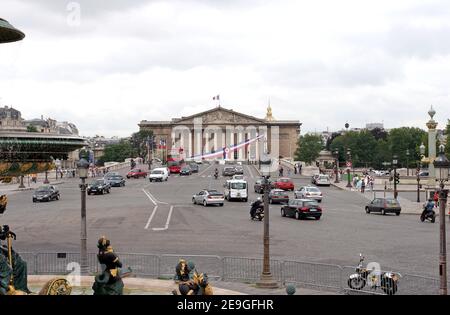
(394, 164)
(442, 165)
(336, 154)
(407, 162)
(419, 167)
(266, 280)
(83, 167)
(349, 161)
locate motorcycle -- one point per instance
(428, 215)
(387, 281)
(259, 213)
(216, 175)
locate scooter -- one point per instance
(387, 281)
(216, 176)
(259, 213)
(428, 215)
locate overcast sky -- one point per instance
(320, 62)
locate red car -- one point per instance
(284, 183)
(136, 173)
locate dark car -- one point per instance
(136, 173)
(258, 186)
(46, 193)
(110, 174)
(302, 208)
(194, 167)
(185, 170)
(99, 186)
(239, 170)
(278, 196)
(228, 171)
(384, 205)
(116, 181)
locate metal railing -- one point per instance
(319, 276)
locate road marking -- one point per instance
(167, 222)
(151, 217)
(149, 196)
(250, 171)
(204, 171)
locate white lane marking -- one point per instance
(167, 222)
(204, 171)
(250, 171)
(149, 196)
(151, 217)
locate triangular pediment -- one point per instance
(219, 115)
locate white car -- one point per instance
(208, 197)
(159, 175)
(236, 189)
(323, 180)
(238, 177)
(309, 192)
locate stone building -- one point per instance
(221, 133)
(11, 120)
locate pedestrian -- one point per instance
(73, 173)
(295, 169)
(363, 185)
(300, 169)
(436, 199)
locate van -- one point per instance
(236, 189)
(159, 174)
(323, 180)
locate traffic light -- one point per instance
(397, 178)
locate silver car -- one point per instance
(208, 197)
(309, 192)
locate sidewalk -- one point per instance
(8, 188)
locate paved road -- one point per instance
(159, 218)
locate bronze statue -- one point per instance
(190, 282)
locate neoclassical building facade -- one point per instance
(221, 133)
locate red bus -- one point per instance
(175, 164)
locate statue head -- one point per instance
(103, 243)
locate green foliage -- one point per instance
(31, 128)
(118, 152)
(139, 141)
(447, 133)
(372, 148)
(308, 148)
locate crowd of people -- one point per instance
(364, 182)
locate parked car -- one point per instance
(284, 183)
(194, 167)
(239, 170)
(323, 180)
(278, 196)
(136, 173)
(208, 197)
(258, 186)
(99, 186)
(116, 181)
(302, 208)
(159, 174)
(46, 193)
(309, 192)
(185, 171)
(424, 173)
(384, 205)
(228, 171)
(314, 179)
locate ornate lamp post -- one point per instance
(419, 167)
(83, 167)
(349, 161)
(442, 165)
(266, 280)
(336, 154)
(394, 165)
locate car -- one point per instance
(99, 186)
(228, 171)
(301, 209)
(116, 181)
(194, 167)
(284, 183)
(258, 186)
(278, 196)
(46, 193)
(380, 173)
(185, 170)
(208, 197)
(239, 170)
(159, 174)
(384, 206)
(111, 174)
(323, 180)
(424, 173)
(136, 173)
(238, 177)
(309, 192)
(236, 189)
(314, 179)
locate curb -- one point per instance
(33, 188)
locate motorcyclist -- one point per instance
(216, 173)
(255, 205)
(428, 207)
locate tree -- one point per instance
(362, 144)
(447, 134)
(406, 138)
(31, 128)
(118, 152)
(379, 134)
(308, 148)
(139, 141)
